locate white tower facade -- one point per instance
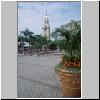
(46, 27)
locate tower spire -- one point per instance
(46, 27)
(46, 12)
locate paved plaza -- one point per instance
(37, 77)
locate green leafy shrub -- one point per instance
(72, 40)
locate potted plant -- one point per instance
(69, 68)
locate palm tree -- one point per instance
(28, 36)
(21, 38)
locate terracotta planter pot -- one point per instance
(70, 84)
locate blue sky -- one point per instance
(31, 14)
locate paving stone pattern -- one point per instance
(36, 77)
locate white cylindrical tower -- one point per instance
(46, 27)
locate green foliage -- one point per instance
(55, 34)
(28, 36)
(39, 41)
(71, 44)
(52, 46)
(21, 38)
(35, 40)
(66, 57)
(73, 57)
(71, 34)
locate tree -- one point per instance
(28, 36)
(71, 34)
(52, 46)
(21, 38)
(55, 34)
(42, 40)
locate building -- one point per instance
(46, 27)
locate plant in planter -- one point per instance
(69, 68)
